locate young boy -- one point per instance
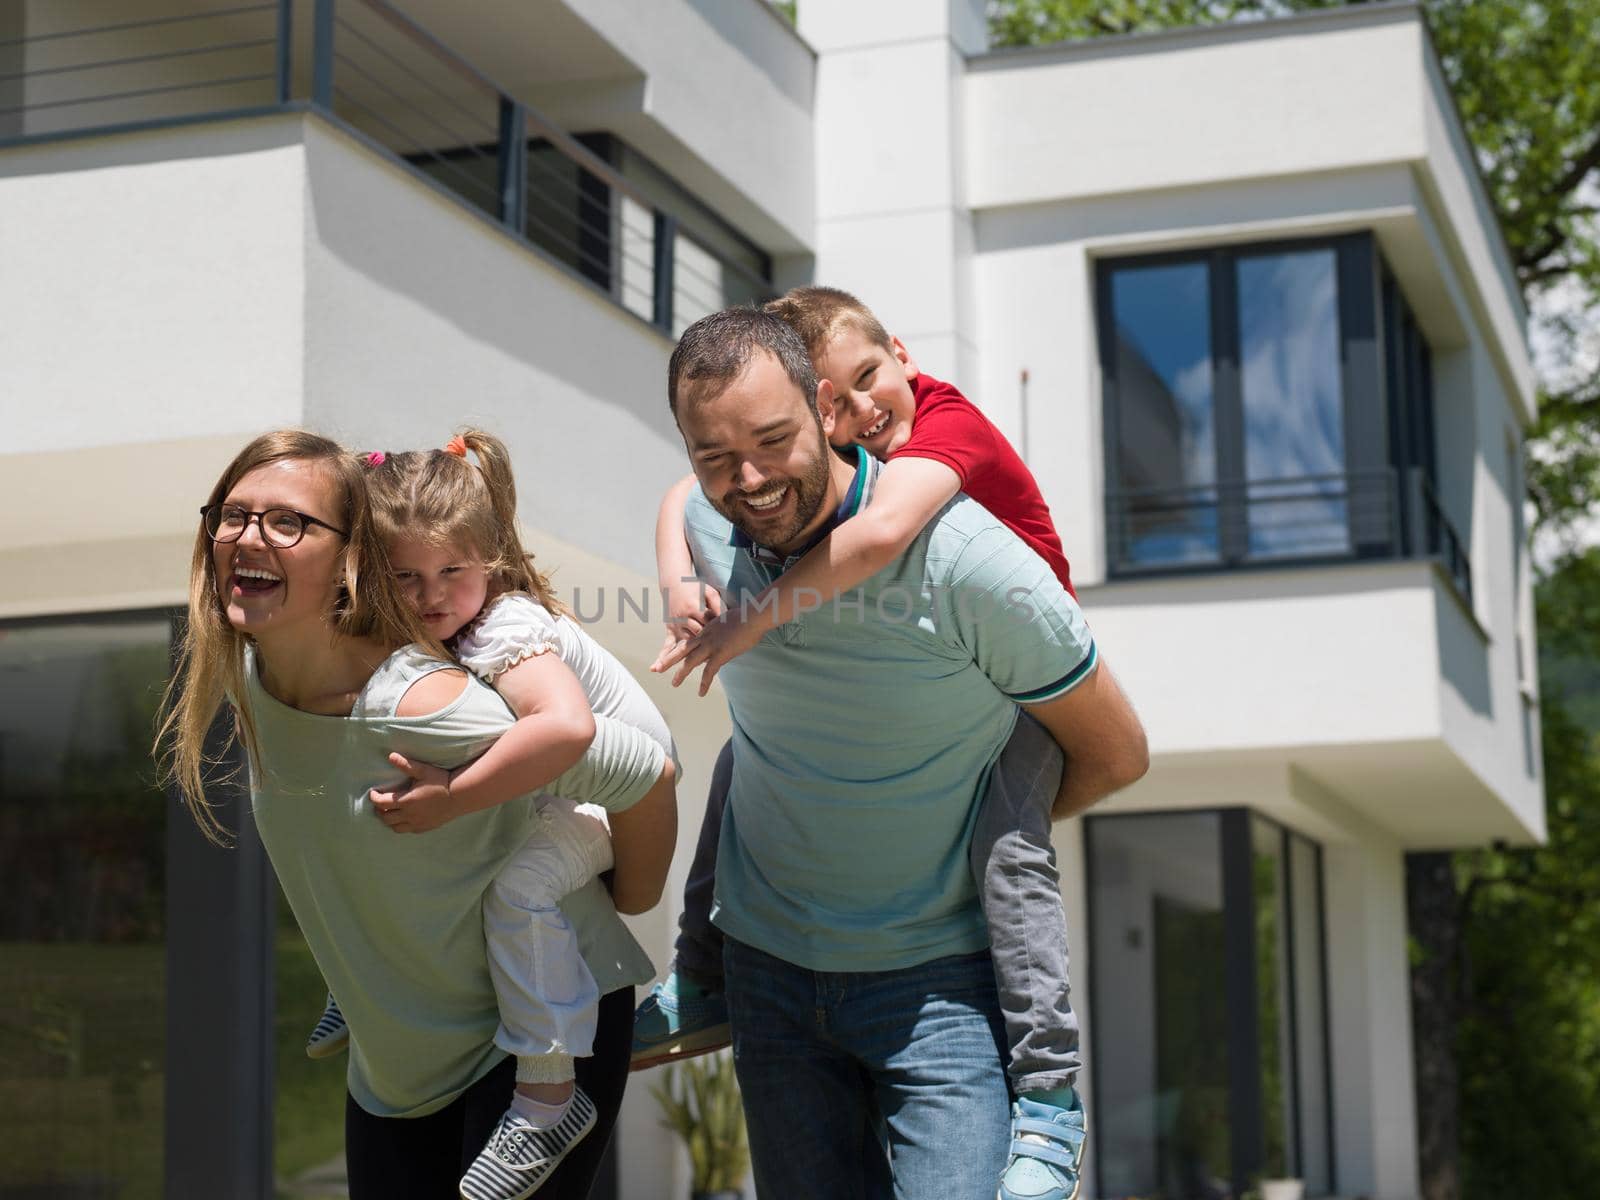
(935, 443)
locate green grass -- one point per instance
(82, 1059)
(82, 1055)
(308, 1110)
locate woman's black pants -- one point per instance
(423, 1158)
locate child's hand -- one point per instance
(691, 607)
(716, 645)
(420, 804)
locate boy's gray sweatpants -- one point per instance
(1014, 867)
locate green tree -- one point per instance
(1530, 966)
(1506, 975)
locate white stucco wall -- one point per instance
(151, 286)
(1130, 114)
(150, 322)
(893, 224)
(726, 105)
(1369, 1015)
(421, 318)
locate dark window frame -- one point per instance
(1235, 852)
(1384, 416)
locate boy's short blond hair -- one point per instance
(818, 314)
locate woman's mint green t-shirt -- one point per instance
(395, 920)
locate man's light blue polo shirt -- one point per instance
(863, 735)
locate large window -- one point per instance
(1209, 1020)
(1264, 404)
(82, 926)
(135, 1014)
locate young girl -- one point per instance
(297, 626)
(449, 524)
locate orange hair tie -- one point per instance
(457, 446)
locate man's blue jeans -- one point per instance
(870, 1084)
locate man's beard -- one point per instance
(810, 490)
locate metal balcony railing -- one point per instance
(371, 69)
(1358, 515)
(1437, 537)
(63, 79)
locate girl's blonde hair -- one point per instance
(210, 661)
(443, 498)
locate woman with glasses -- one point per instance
(296, 624)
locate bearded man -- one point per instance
(867, 1029)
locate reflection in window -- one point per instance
(1166, 428)
(1272, 1004)
(1191, 1102)
(1160, 1018)
(1291, 392)
(82, 841)
(309, 1096)
(1315, 1151)
(1263, 405)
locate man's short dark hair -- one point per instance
(714, 350)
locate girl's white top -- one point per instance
(516, 626)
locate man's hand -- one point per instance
(691, 606)
(420, 804)
(716, 645)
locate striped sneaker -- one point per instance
(520, 1157)
(331, 1034)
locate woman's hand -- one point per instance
(420, 804)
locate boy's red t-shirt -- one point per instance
(949, 428)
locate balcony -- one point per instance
(591, 204)
(1272, 522)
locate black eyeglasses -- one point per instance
(280, 527)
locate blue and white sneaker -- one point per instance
(520, 1156)
(678, 1020)
(1046, 1152)
(331, 1034)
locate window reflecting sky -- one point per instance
(1293, 402)
(1289, 362)
(1163, 320)
(1162, 317)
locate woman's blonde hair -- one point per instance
(210, 663)
(443, 498)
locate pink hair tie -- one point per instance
(376, 458)
(457, 446)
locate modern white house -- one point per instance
(1236, 293)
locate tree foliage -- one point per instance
(1530, 975)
